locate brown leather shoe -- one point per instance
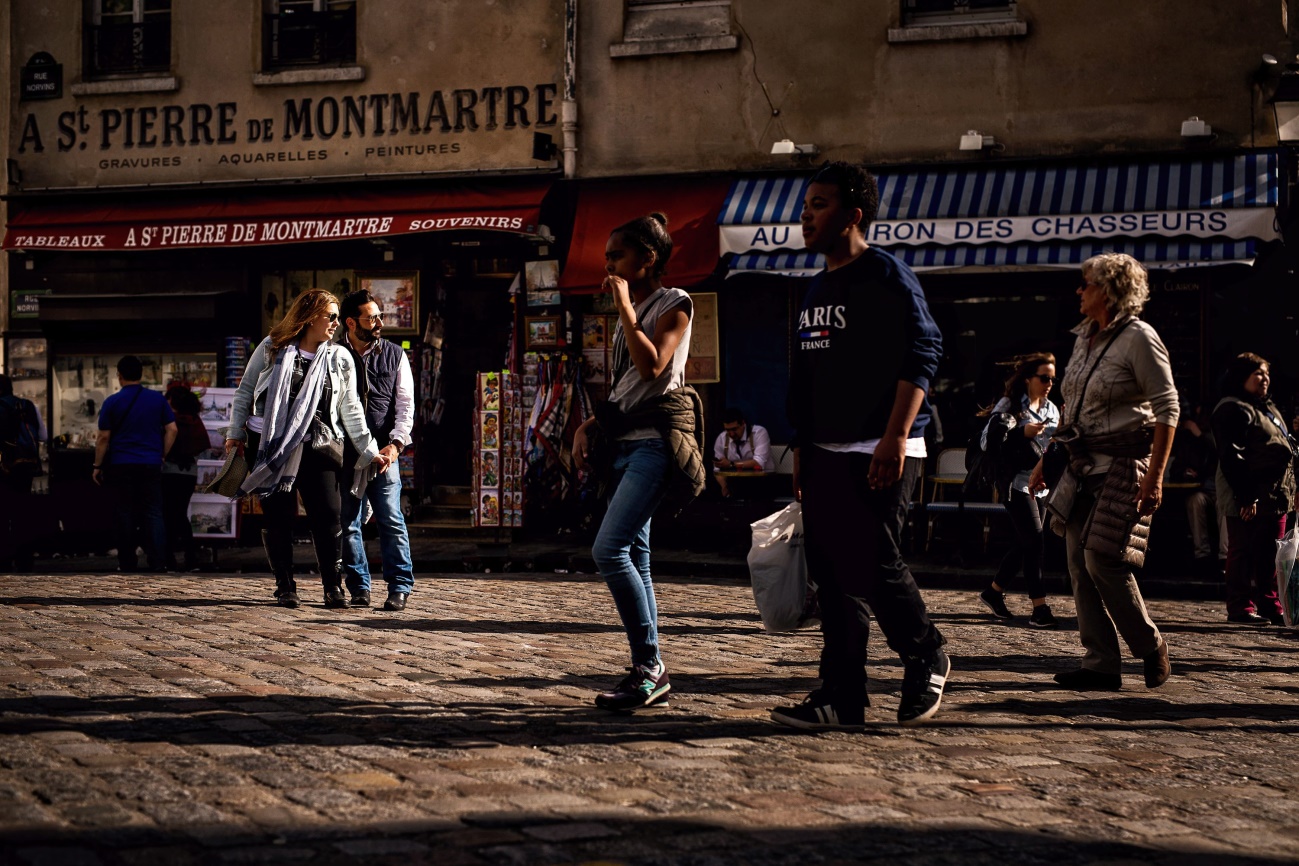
(1157, 667)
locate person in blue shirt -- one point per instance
(1036, 419)
(865, 348)
(136, 430)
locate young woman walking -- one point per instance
(648, 438)
(1036, 420)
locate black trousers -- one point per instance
(1026, 550)
(176, 493)
(137, 507)
(851, 536)
(16, 531)
(320, 484)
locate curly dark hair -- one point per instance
(857, 187)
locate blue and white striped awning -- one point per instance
(1175, 211)
(1162, 254)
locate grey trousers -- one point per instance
(1106, 595)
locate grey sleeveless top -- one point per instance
(629, 390)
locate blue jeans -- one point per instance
(384, 494)
(621, 551)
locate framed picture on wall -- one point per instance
(542, 280)
(705, 361)
(542, 332)
(397, 293)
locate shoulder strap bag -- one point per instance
(1056, 456)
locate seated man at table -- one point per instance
(740, 447)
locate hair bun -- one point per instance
(659, 218)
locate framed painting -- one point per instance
(542, 281)
(541, 332)
(704, 364)
(397, 293)
(213, 516)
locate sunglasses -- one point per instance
(1045, 380)
(333, 317)
(377, 317)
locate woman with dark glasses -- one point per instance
(1035, 419)
(296, 402)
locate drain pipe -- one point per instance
(568, 109)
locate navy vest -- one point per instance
(378, 388)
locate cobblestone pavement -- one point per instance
(184, 719)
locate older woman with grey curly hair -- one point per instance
(1120, 413)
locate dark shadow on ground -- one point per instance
(531, 839)
(110, 601)
(447, 719)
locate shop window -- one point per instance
(83, 382)
(927, 20)
(658, 27)
(298, 33)
(127, 37)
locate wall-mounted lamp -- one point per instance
(787, 146)
(1285, 104)
(975, 140)
(1193, 127)
(544, 148)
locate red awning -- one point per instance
(245, 217)
(690, 204)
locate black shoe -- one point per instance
(1277, 618)
(395, 601)
(1249, 618)
(643, 687)
(1042, 617)
(822, 711)
(923, 682)
(996, 602)
(334, 597)
(361, 599)
(286, 593)
(287, 596)
(1084, 680)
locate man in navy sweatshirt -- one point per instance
(864, 350)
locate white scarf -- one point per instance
(287, 424)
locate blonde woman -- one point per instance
(1120, 414)
(297, 380)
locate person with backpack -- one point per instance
(136, 429)
(1019, 427)
(21, 432)
(180, 475)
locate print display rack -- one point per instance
(498, 451)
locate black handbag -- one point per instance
(324, 443)
(1055, 459)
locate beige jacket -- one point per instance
(1131, 389)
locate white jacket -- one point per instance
(346, 414)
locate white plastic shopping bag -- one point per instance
(1287, 576)
(778, 569)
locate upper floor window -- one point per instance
(956, 11)
(308, 33)
(127, 37)
(675, 27)
(932, 20)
